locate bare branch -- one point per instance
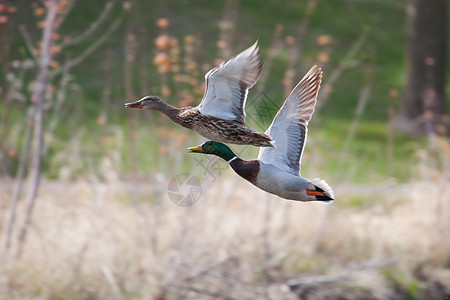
(294, 49)
(60, 98)
(273, 51)
(62, 13)
(28, 41)
(74, 62)
(92, 28)
(372, 264)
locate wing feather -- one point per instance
(289, 128)
(227, 85)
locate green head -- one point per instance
(215, 148)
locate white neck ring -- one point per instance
(229, 161)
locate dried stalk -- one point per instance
(77, 269)
(17, 193)
(212, 294)
(443, 185)
(178, 242)
(39, 95)
(106, 93)
(5, 41)
(130, 58)
(227, 27)
(319, 234)
(266, 246)
(372, 264)
(225, 199)
(273, 51)
(112, 282)
(362, 102)
(294, 50)
(348, 62)
(390, 137)
(143, 68)
(363, 99)
(207, 269)
(60, 98)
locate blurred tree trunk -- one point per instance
(5, 46)
(40, 96)
(423, 106)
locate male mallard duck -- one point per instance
(277, 170)
(220, 115)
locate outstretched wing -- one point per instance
(290, 125)
(227, 85)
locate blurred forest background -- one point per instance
(85, 210)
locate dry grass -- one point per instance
(118, 239)
(91, 240)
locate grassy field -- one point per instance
(356, 51)
(126, 240)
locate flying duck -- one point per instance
(220, 115)
(277, 170)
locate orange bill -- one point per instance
(136, 104)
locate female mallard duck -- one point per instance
(277, 170)
(220, 115)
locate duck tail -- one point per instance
(323, 187)
(261, 140)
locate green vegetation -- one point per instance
(371, 155)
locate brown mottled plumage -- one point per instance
(225, 131)
(220, 116)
